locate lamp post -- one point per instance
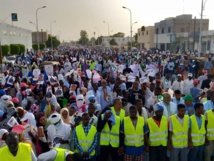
(51, 34)
(97, 35)
(108, 26)
(37, 24)
(130, 23)
(199, 42)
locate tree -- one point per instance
(14, 49)
(134, 44)
(22, 48)
(41, 46)
(5, 50)
(55, 42)
(113, 42)
(83, 38)
(99, 40)
(119, 34)
(136, 37)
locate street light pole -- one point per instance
(51, 34)
(199, 42)
(130, 23)
(97, 35)
(37, 25)
(108, 26)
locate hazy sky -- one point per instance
(75, 15)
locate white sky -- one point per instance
(75, 15)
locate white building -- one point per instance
(121, 41)
(15, 35)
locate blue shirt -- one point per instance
(199, 121)
(194, 91)
(189, 108)
(132, 150)
(208, 105)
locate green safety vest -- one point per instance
(61, 154)
(180, 133)
(134, 136)
(122, 113)
(158, 135)
(111, 137)
(198, 135)
(86, 141)
(210, 125)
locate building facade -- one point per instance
(121, 41)
(145, 37)
(43, 37)
(15, 35)
(174, 33)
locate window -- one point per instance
(162, 31)
(169, 29)
(156, 30)
(182, 29)
(147, 32)
(208, 45)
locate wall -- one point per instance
(15, 35)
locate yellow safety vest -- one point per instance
(92, 65)
(61, 154)
(180, 133)
(86, 141)
(122, 113)
(111, 136)
(198, 135)
(158, 135)
(210, 125)
(23, 153)
(134, 136)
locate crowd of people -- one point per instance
(96, 104)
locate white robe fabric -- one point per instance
(64, 130)
(173, 109)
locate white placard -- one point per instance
(36, 73)
(12, 122)
(89, 73)
(49, 69)
(58, 92)
(10, 80)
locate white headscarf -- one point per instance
(80, 102)
(2, 132)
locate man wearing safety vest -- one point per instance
(209, 124)
(134, 135)
(179, 135)
(59, 154)
(158, 134)
(117, 109)
(85, 138)
(197, 129)
(15, 151)
(110, 143)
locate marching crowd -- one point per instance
(92, 104)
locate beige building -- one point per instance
(146, 37)
(43, 37)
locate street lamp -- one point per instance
(108, 26)
(32, 23)
(199, 42)
(130, 23)
(51, 34)
(37, 24)
(97, 35)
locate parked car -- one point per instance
(9, 59)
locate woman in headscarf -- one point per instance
(3, 136)
(65, 115)
(42, 124)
